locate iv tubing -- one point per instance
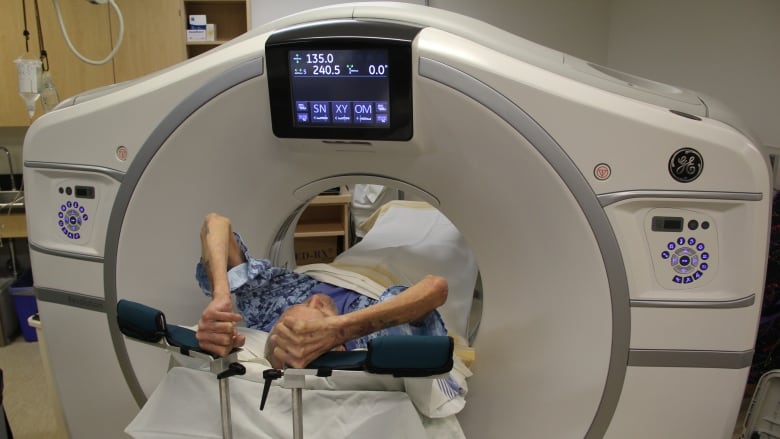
(76, 52)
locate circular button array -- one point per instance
(687, 258)
(70, 219)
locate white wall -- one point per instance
(578, 27)
(727, 49)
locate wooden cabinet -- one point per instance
(231, 18)
(153, 40)
(88, 28)
(13, 225)
(322, 231)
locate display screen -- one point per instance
(347, 80)
(340, 88)
(667, 224)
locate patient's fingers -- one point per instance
(298, 343)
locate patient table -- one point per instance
(619, 226)
(399, 356)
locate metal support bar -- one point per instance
(297, 410)
(224, 405)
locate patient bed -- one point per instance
(404, 241)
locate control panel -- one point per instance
(75, 205)
(683, 245)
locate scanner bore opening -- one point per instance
(283, 253)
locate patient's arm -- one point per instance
(220, 252)
(298, 342)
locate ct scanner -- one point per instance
(620, 225)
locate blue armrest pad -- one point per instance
(183, 338)
(340, 360)
(401, 356)
(410, 356)
(140, 321)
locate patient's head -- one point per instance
(315, 307)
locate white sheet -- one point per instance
(186, 405)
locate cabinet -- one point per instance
(13, 225)
(153, 40)
(153, 37)
(322, 231)
(231, 18)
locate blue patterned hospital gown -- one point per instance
(262, 292)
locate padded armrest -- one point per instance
(399, 355)
(140, 321)
(147, 324)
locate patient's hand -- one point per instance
(299, 341)
(217, 331)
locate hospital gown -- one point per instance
(262, 292)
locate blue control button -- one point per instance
(301, 106)
(675, 260)
(670, 246)
(302, 117)
(363, 112)
(677, 279)
(85, 217)
(687, 279)
(320, 112)
(342, 112)
(665, 254)
(76, 236)
(691, 241)
(705, 256)
(697, 275)
(685, 260)
(704, 266)
(700, 247)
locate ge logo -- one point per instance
(686, 165)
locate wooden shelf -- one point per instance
(319, 229)
(206, 43)
(322, 231)
(231, 18)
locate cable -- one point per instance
(110, 56)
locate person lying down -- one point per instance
(304, 317)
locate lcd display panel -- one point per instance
(340, 88)
(347, 80)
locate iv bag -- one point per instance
(49, 96)
(28, 72)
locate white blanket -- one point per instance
(186, 405)
(345, 405)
